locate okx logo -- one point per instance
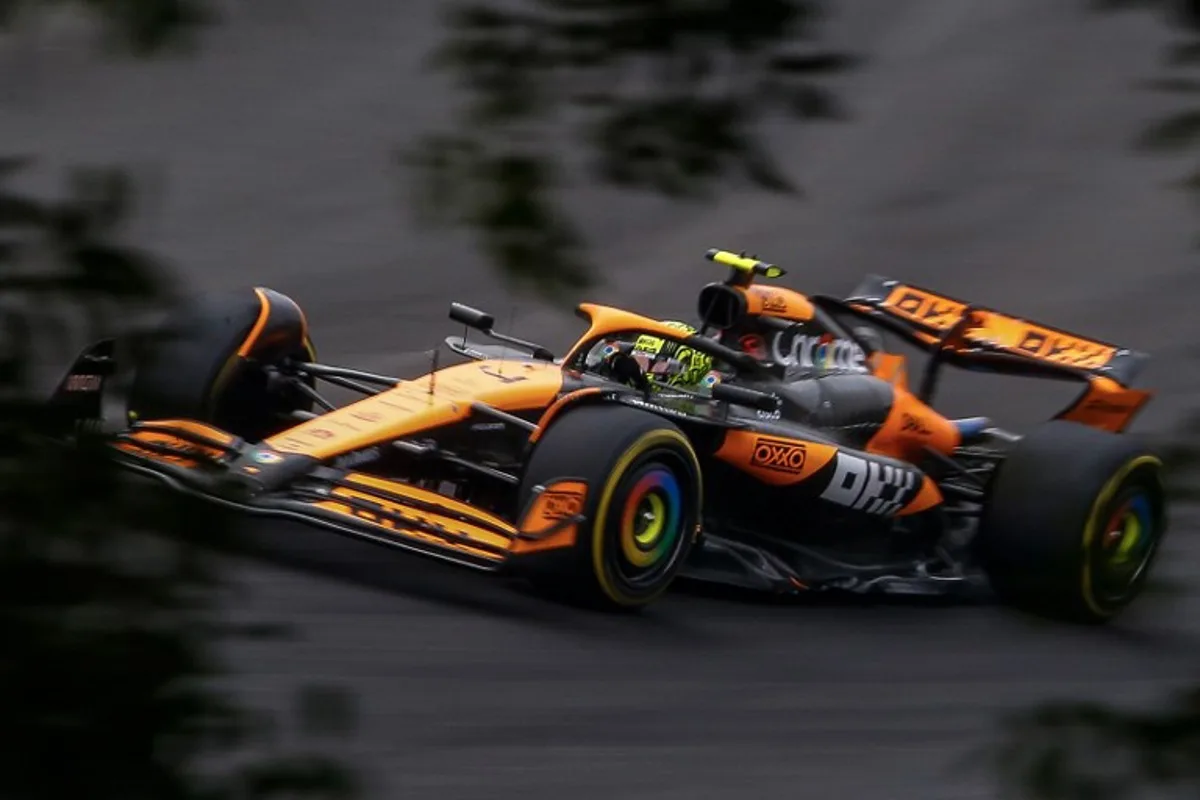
(779, 455)
(869, 486)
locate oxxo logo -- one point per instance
(869, 486)
(779, 455)
(561, 504)
(819, 352)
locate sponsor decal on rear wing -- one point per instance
(976, 336)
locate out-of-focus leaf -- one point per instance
(153, 27)
(675, 146)
(1185, 54)
(1173, 133)
(17, 211)
(1120, 5)
(664, 94)
(326, 711)
(811, 102)
(1068, 750)
(109, 600)
(819, 63)
(115, 271)
(523, 232)
(762, 170)
(444, 168)
(1172, 85)
(13, 164)
(311, 777)
(105, 195)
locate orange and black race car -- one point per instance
(774, 445)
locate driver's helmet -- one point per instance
(668, 363)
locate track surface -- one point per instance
(988, 158)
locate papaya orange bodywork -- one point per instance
(1107, 405)
(487, 539)
(910, 427)
(189, 426)
(774, 301)
(369, 482)
(774, 460)
(424, 403)
(604, 320)
(560, 501)
(928, 497)
(1036, 341)
(779, 461)
(890, 367)
(1000, 331)
(183, 448)
(263, 315)
(924, 308)
(554, 410)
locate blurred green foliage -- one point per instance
(665, 96)
(136, 27)
(111, 597)
(1096, 750)
(111, 608)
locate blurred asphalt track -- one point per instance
(987, 157)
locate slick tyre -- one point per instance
(641, 507)
(212, 364)
(1073, 523)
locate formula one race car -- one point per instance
(773, 446)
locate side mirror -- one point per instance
(472, 317)
(741, 396)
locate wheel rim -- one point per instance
(649, 525)
(1127, 543)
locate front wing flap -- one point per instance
(212, 464)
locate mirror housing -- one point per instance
(472, 317)
(741, 396)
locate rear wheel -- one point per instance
(212, 364)
(641, 507)
(1073, 523)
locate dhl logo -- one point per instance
(922, 307)
(1056, 348)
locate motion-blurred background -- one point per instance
(984, 148)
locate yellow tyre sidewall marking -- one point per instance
(640, 446)
(1089, 533)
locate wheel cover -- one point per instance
(651, 518)
(645, 532)
(1127, 542)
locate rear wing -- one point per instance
(977, 338)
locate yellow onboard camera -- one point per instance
(744, 264)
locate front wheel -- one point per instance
(210, 364)
(641, 506)
(1073, 523)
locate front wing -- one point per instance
(204, 461)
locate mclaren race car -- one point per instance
(775, 445)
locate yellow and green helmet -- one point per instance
(680, 365)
